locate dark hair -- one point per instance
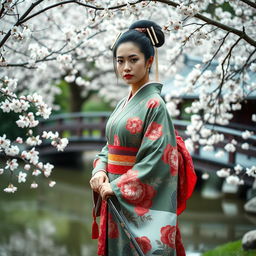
(141, 39)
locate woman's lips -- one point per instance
(128, 76)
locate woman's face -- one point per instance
(131, 64)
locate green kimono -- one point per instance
(147, 191)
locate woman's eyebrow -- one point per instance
(130, 56)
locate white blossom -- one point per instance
(22, 177)
(4, 142)
(36, 172)
(12, 164)
(62, 144)
(27, 167)
(245, 146)
(33, 185)
(246, 134)
(10, 189)
(52, 183)
(19, 140)
(251, 171)
(1, 171)
(34, 141)
(5, 106)
(208, 148)
(232, 179)
(205, 176)
(48, 169)
(172, 109)
(230, 147)
(12, 151)
(189, 145)
(253, 67)
(40, 165)
(219, 154)
(31, 155)
(223, 173)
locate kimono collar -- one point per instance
(153, 87)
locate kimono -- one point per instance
(141, 160)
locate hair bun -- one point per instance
(148, 24)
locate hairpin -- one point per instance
(154, 34)
(142, 30)
(151, 38)
(117, 37)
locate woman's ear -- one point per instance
(150, 61)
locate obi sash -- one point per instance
(121, 159)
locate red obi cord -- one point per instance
(121, 159)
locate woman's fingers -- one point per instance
(105, 191)
(97, 180)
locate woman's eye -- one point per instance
(134, 60)
(119, 61)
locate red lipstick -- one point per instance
(128, 76)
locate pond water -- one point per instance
(57, 221)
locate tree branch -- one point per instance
(222, 67)
(24, 17)
(235, 31)
(18, 22)
(79, 3)
(253, 5)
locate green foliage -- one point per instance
(93, 104)
(230, 249)
(225, 7)
(96, 104)
(62, 99)
(9, 127)
(184, 115)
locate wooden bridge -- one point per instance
(86, 131)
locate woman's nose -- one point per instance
(127, 66)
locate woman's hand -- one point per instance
(105, 190)
(97, 180)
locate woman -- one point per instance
(139, 164)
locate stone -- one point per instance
(250, 206)
(249, 240)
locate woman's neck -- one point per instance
(137, 86)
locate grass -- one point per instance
(230, 249)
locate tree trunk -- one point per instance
(76, 100)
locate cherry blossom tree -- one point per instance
(46, 41)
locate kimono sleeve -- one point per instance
(155, 167)
(100, 162)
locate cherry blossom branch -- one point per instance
(79, 3)
(235, 31)
(249, 3)
(246, 64)
(2, 10)
(212, 58)
(19, 22)
(222, 67)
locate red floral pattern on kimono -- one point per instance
(135, 192)
(153, 103)
(144, 244)
(116, 140)
(168, 235)
(112, 227)
(170, 157)
(154, 131)
(134, 125)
